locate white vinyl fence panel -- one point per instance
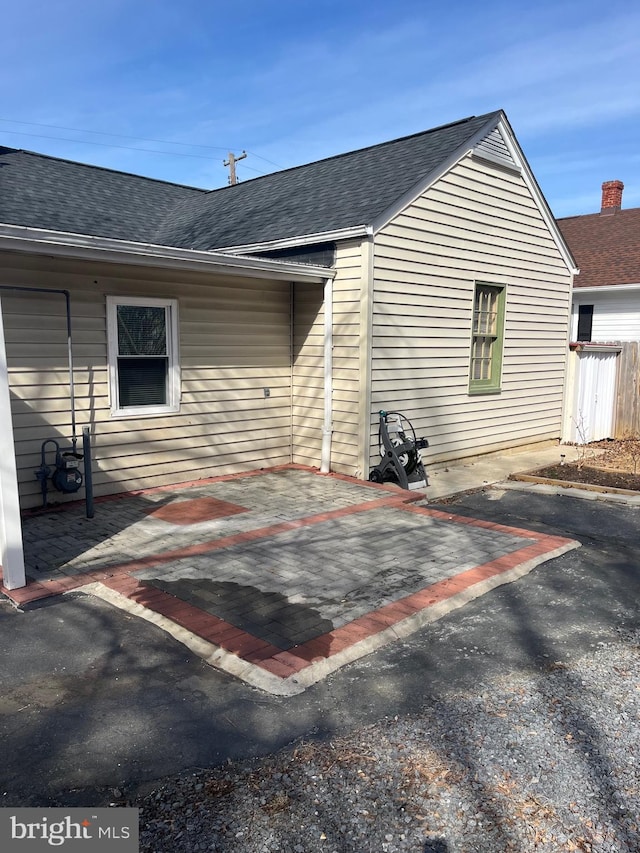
(593, 417)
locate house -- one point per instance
(604, 391)
(269, 321)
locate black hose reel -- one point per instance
(400, 457)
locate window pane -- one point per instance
(485, 312)
(585, 322)
(142, 330)
(481, 358)
(142, 381)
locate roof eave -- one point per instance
(606, 288)
(38, 241)
(314, 239)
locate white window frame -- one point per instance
(173, 372)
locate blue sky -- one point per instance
(294, 81)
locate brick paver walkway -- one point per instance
(280, 576)
(127, 527)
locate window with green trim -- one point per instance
(485, 371)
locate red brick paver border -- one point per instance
(284, 664)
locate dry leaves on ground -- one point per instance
(619, 455)
(608, 464)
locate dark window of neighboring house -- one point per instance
(585, 322)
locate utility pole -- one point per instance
(231, 163)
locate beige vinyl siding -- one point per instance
(308, 365)
(235, 341)
(307, 373)
(477, 223)
(347, 296)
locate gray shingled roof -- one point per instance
(339, 192)
(45, 192)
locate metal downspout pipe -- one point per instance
(72, 396)
(86, 437)
(327, 426)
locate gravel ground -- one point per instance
(544, 762)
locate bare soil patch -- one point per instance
(608, 464)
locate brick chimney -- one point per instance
(611, 196)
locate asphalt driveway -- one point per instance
(96, 702)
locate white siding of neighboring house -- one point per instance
(235, 341)
(616, 316)
(477, 223)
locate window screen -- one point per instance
(142, 356)
(142, 353)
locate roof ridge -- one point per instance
(598, 214)
(359, 150)
(92, 166)
(577, 216)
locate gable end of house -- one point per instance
(496, 144)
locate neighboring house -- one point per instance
(602, 399)
(268, 322)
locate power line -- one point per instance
(252, 168)
(113, 145)
(260, 157)
(117, 135)
(105, 144)
(125, 136)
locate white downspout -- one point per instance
(327, 426)
(365, 358)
